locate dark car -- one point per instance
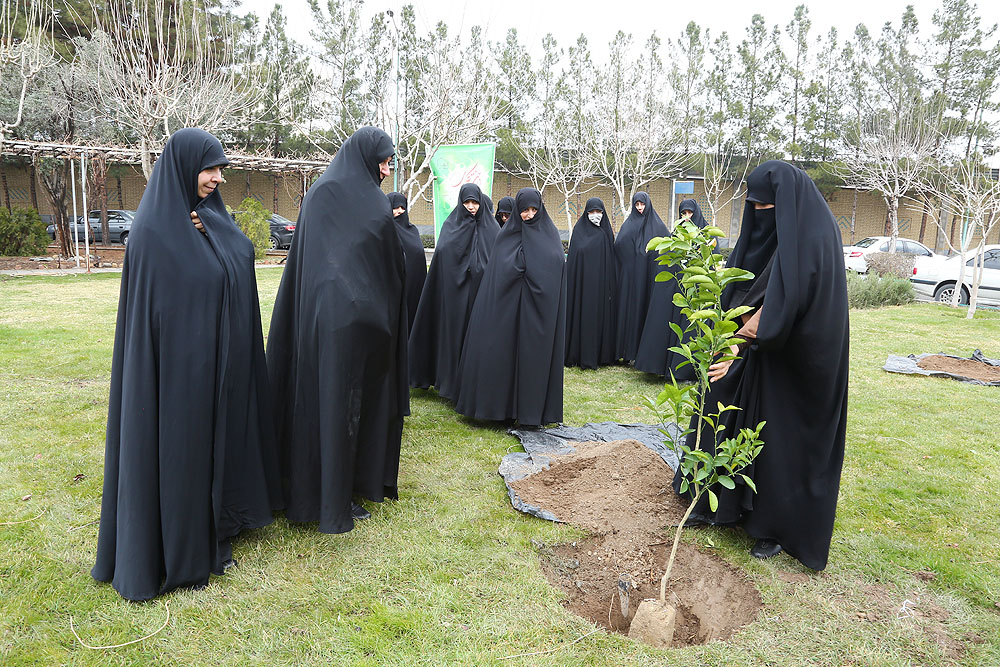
(119, 226)
(282, 230)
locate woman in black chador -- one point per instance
(592, 288)
(337, 348)
(636, 272)
(654, 355)
(413, 252)
(505, 207)
(794, 369)
(189, 459)
(460, 258)
(512, 362)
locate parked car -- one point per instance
(119, 226)
(282, 230)
(854, 255)
(936, 277)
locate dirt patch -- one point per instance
(883, 605)
(621, 491)
(971, 368)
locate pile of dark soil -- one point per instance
(621, 492)
(972, 368)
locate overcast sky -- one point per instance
(599, 20)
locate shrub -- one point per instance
(875, 291)
(427, 240)
(252, 219)
(896, 264)
(22, 232)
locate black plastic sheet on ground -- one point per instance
(542, 444)
(908, 364)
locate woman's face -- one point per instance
(687, 215)
(528, 213)
(504, 216)
(472, 206)
(640, 206)
(760, 205)
(398, 211)
(208, 180)
(383, 168)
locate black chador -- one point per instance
(190, 458)
(794, 369)
(654, 355)
(636, 272)
(592, 289)
(512, 361)
(413, 252)
(337, 347)
(460, 258)
(505, 208)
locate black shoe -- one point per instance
(765, 549)
(359, 513)
(228, 564)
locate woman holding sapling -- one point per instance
(793, 371)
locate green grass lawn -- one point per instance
(449, 573)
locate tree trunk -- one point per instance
(99, 184)
(32, 181)
(54, 185)
(6, 191)
(893, 224)
(954, 222)
(274, 201)
(854, 214)
(923, 219)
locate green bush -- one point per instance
(252, 219)
(22, 232)
(875, 291)
(427, 240)
(896, 264)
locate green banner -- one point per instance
(454, 166)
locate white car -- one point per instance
(854, 255)
(936, 277)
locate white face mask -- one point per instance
(595, 218)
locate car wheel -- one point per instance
(124, 238)
(945, 292)
(274, 243)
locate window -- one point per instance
(914, 248)
(884, 247)
(864, 243)
(992, 260)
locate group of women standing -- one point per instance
(207, 436)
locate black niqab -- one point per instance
(505, 205)
(336, 352)
(654, 355)
(512, 361)
(189, 458)
(636, 272)
(460, 259)
(794, 375)
(413, 253)
(592, 288)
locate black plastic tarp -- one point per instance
(908, 364)
(542, 444)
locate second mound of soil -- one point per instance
(621, 492)
(970, 368)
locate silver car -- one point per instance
(936, 278)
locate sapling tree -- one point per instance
(709, 337)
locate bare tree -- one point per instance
(165, 64)
(723, 183)
(891, 154)
(24, 53)
(966, 190)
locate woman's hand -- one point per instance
(718, 370)
(197, 223)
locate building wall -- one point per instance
(283, 194)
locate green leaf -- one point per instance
(727, 482)
(749, 482)
(713, 501)
(663, 276)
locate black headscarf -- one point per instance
(636, 271)
(512, 361)
(795, 373)
(505, 205)
(697, 218)
(189, 456)
(413, 252)
(654, 355)
(592, 289)
(337, 348)
(457, 267)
